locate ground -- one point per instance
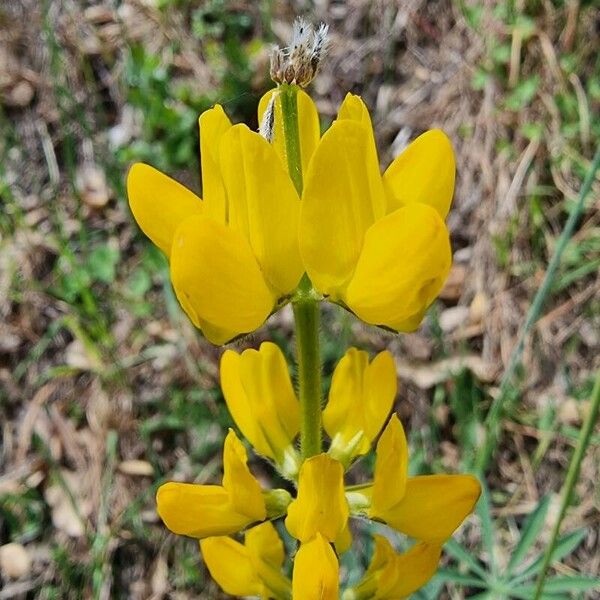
(106, 389)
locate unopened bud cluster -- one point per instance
(299, 62)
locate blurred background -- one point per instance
(106, 389)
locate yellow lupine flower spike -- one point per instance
(235, 254)
(260, 397)
(201, 511)
(426, 507)
(316, 571)
(392, 575)
(249, 569)
(383, 255)
(360, 399)
(320, 506)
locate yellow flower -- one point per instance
(392, 576)
(201, 511)
(316, 571)
(377, 245)
(360, 399)
(320, 506)
(249, 569)
(427, 507)
(260, 397)
(233, 255)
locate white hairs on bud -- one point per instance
(299, 62)
(320, 44)
(267, 123)
(302, 33)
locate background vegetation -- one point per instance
(106, 390)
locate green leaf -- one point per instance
(102, 262)
(487, 525)
(566, 584)
(453, 576)
(461, 554)
(529, 534)
(139, 283)
(479, 79)
(523, 93)
(565, 546)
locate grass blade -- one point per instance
(529, 534)
(461, 554)
(563, 548)
(570, 480)
(494, 416)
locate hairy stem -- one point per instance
(291, 131)
(306, 315)
(306, 305)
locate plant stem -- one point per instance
(570, 481)
(492, 421)
(306, 306)
(291, 131)
(306, 315)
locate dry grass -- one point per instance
(106, 389)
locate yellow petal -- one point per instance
(266, 380)
(391, 467)
(267, 554)
(406, 573)
(217, 280)
(433, 506)
(263, 205)
(383, 554)
(198, 511)
(244, 490)
(360, 399)
(354, 109)
(239, 404)
(159, 204)
(264, 544)
(308, 125)
(213, 125)
(343, 196)
(220, 555)
(316, 571)
(260, 397)
(402, 267)
(343, 541)
(321, 505)
(424, 172)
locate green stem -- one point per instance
(492, 421)
(291, 131)
(570, 481)
(305, 303)
(306, 314)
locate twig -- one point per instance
(492, 421)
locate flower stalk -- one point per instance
(291, 131)
(306, 316)
(306, 307)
